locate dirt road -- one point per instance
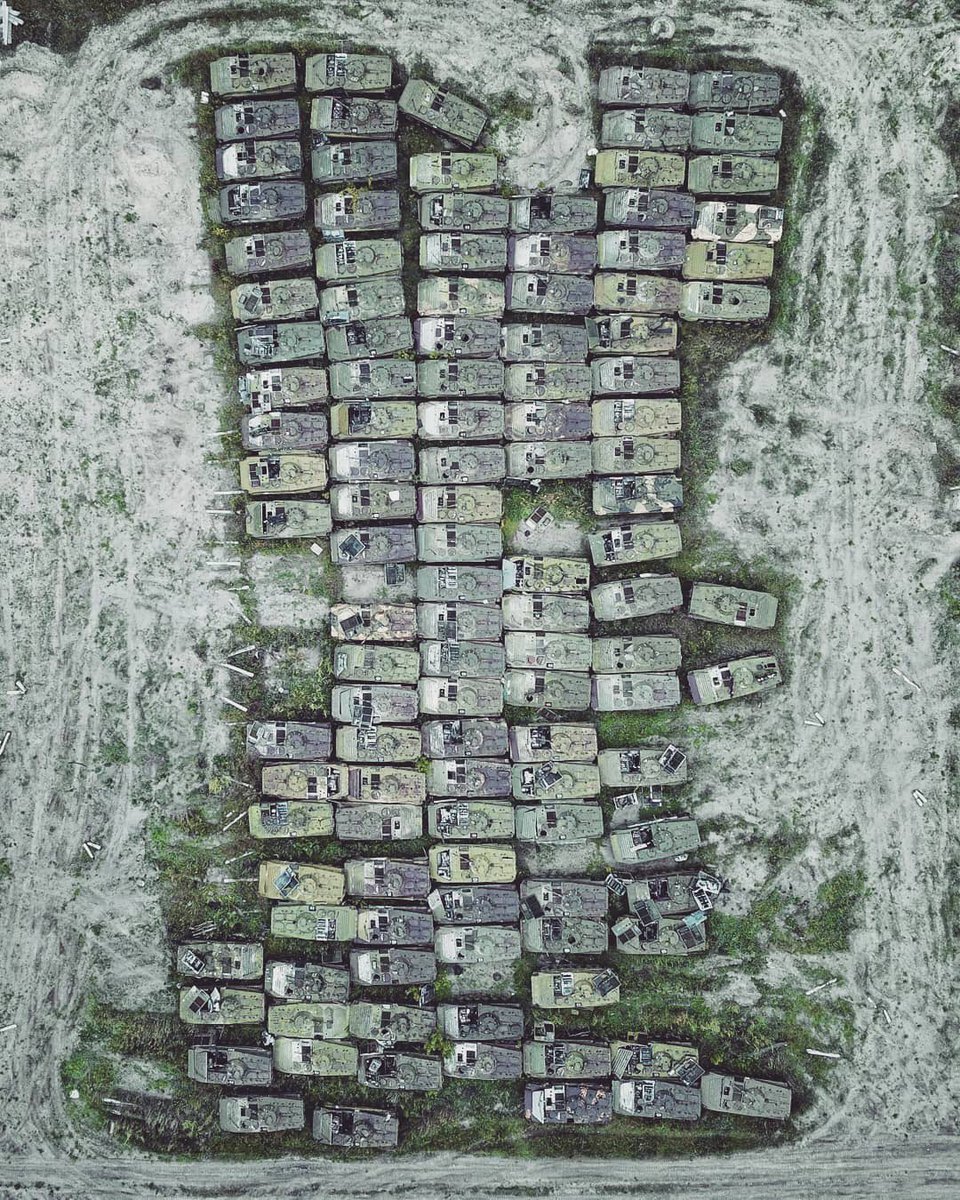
(106, 601)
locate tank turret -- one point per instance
(566, 1059)
(564, 898)
(392, 1024)
(470, 863)
(637, 542)
(565, 253)
(381, 743)
(283, 819)
(400, 1072)
(482, 1060)
(640, 653)
(736, 133)
(274, 300)
(564, 935)
(395, 925)
(308, 1019)
(656, 1100)
(745, 1097)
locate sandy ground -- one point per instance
(106, 601)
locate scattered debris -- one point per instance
(238, 817)
(950, 350)
(8, 1028)
(821, 986)
(823, 1053)
(9, 17)
(3, 740)
(233, 704)
(243, 650)
(239, 670)
(236, 605)
(886, 1016)
(317, 549)
(19, 688)
(238, 857)
(223, 563)
(920, 798)
(906, 678)
(819, 718)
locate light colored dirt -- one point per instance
(105, 596)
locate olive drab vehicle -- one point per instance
(220, 960)
(231, 1066)
(288, 519)
(469, 945)
(565, 253)
(298, 740)
(745, 1097)
(566, 295)
(362, 258)
(544, 743)
(338, 781)
(543, 341)
(637, 542)
(595, 988)
(625, 415)
(357, 822)
(645, 932)
(559, 822)
(306, 981)
(640, 249)
(464, 737)
(548, 460)
(538, 573)
(461, 251)
(387, 878)
(467, 863)
(470, 820)
(463, 210)
(462, 464)
(547, 381)
(365, 544)
(308, 1019)
(450, 696)
(357, 210)
(462, 660)
(261, 1114)
(353, 117)
(283, 819)
(460, 296)
(732, 175)
(732, 680)
(482, 1060)
(392, 1024)
(274, 300)
(259, 203)
(254, 253)
(575, 898)
(636, 495)
(640, 653)
(459, 505)
(314, 1056)
(558, 421)
(630, 292)
(468, 778)
(645, 129)
(724, 302)
(633, 85)
(555, 781)
(395, 925)
(364, 300)
(476, 584)
(569, 651)
(641, 766)
(442, 110)
(284, 387)
(566, 1059)
(625, 375)
(743, 91)
(356, 1128)
(564, 935)
(247, 74)
(455, 337)
(732, 606)
(736, 133)
(635, 455)
(384, 743)
(257, 118)
(674, 895)
(366, 379)
(300, 883)
(373, 462)
(286, 474)
(638, 596)
(349, 73)
(452, 622)
(460, 377)
(567, 691)
(365, 704)
(373, 501)
(212, 1005)
(453, 171)
(399, 1071)
(284, 431)
(285, 343)
(374, 622)
(567, 1103)
(733, 221)
(655, 841)
(655, 1099)
(635, 1059)
(718, 260)
(481, 1022)
(354, 162)
(547, 212)
(638, 168)
(393, 966)
(474, 905)
(376, 664)
(648, 208)
(259, 158)
(363, 417)
(540, 611)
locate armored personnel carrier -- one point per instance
(287, 474)
(369, 785)
(645, 932)
(376, 664)
(640, 249)
(290, 342)
(655, 1099)
(299, 740)
(551, 421)
(744, 91)
(388, 461)
(259, 158)
(463, 210)
(474, 905)
(718, 260)
(732, 221)
(353, 117)
(674, 895)
(301, 883)
(481, 1022)
(365, 704)
(306, 981)
(566, 1059)
(732, 606)
(442, 110)
(212, 1005)
(566, 691)
(648, 208)
(736, 133)
(598, 987)
(460, 296)
(261, 1114)
(371, 377)
(638, 168)
(547, 381)
(319, 781)
(460, 377)
(399, 1071)
(462, 464)
(220, 960)
(539, 573)
(575, 898)
(379, 822)
(459, 505)
(637, 495)
(356, 1128)
(540, 611)
(645, 129)
(284, 431)
(470, 820)
(468, 778)
(247, 74)
(638, 542)
(555, 781)
(381, 743)
(464, 660)
(308, 1019)
(260, 203)
(392, 1024)
(476, 584)
(254, 253)
(655, 841)
(359, 258)
(482, 1060)
(256, 118)
(373, 622)
(450, 697)
(627, 333)
(644, 653)
(452, 622)
(567, 295)
(653, 1059)
(559, 822)
(543, 341)
(373, 544)
(357, 210)
(732, 175)
(373, 501)
(549, 742)
(470, 945)
(283, 819)
(452, 171)
(745, 1097)
(626, 415)
(626, 375)
(455, 337)
(457, 250)
(354, 162)
(732, 680)
(349, 73)
(392, 967)
(567, 1103)
(630, 455)
(312, 1056)
(274, 300)
(364, 300)
(564, 935)
(566, 651)
(639, 596)
(565, 253)
(230, 1066)
(464, 737)
(548, 460)
(387, 878)
(626, 291)
(461, 863)
(643, 86)
(546, 212)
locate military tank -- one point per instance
(542, 573)
(470, 820)
(736, 133)
(570, 651)
(655, 841)
(732, 606)
(745, 1097)
(387, 878)
(306, 981)
(566, 295)
(373, 622)
(732, 680)
(453, 171)
(627, 415)
(262, 203)
(481, 1022)
(436, 107)
(366, 544)
(287, 519)
(474, 904)
(543, 611)
(564, 741)
(637, 495)
(389, 460)
(301, 883)
(308, 1019)
(285, 474)
(252, 74)
(358, 258)
(356, 1128)
(363, 704)
(284, 387)
(459, 250)
(314, 1056)
(350, 73)
(357, 210)
(482, 1060)
(638, 596)
(373, 501)
(455, 337)
(283, 819)
(732, 175)
(460, 377)
(472, 945)
(458, 420)
(468, 778)
(643, 86)
(640, 249)
(274, 300)
(645, 932)
(566, 1058)
(392, 1024)
(472, 863)
(354, 162)
(547, 421)
(644, 653)
(459, 505)
(555, 780)
(400, 1072)
(625, 375)
(637, 542)
(256, 118)
(464, 737)
(718, 260)
(209, 1004)
(638, 169)
(548, 460)
(748, 91)
(577, 898)
(376, 664)
(631, 292)
(465, 660)
(635, 455)
(293, 341)
(656, 1100)
(362, 381)
(463, 210)
(734, 221)
(559, 822)
(645, 129)
(451, 696)
(567, 1103)
(460, 296)
(462, 464)
(261, 1114)
(393, 966)
(298, 740)
(453, 622)
(220, 960)
(633, 692)
(383, 743)
(256, 253)
(598, 987)
(230, 1066)
(544, 342)
(259, 158)
(549, 212)
(378, 822)
(353, 117)
(395, 925)
(547, 381)
(648, 208)
(363, 300)
(564, 253)
(564, 935)
(283, 431)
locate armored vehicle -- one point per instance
(212, 1005)
(308, 1020)
(337, 781)
(547, 381)
(553, 421)
(642, 767)
(648, 208)
(253, 253)
(632, 455)
(638, 168)
(259, 158)
(550, 214)
(400, 1072)
(356, 1128)
(645, 129)
(559, 822)
(566, 691)
(460, 377)
(745, 1097)
(247, 74)
(655, 1099)
(290, 342)
(732, 221)
(732, 680)
(358, 259)
(274, 300)
(637, 495)
(312, 1056)
(306, 981)
(732, 606)
(261, 1114)
(376, 664)
(298, 740)
(464, 737)
(303, 883)
(379, 822)
(373, 462)
(468, 778)
(466, 660)
(461, 251)
(555, 781)
(567, 295)
(565, 253)
(463, 210)
(638, 542)
(450, 697)
(567, 1103)
(373, 501)
(389, 1024)
(595, 988)
(627, 291)
(352, 117)
(640, 249)
(365, 300)
(543, 341)
(566, 1059)
(373, 377)
(470, 820)
(537, 573)
(259, 203)
(460, 863)
(639, 596)
(460, 420)
(364, 704)
(283, 387)
(444, 111)
(453, 337)
(289, 474)
(284, 431)
(718, 260)
(729, 175)
(736, 133)
(283, 819)
(459, 505)
(392, 967)
(451, 171)
(373, 622)
(469, 945)
(477, 584)
(387, 878)
(452, 622)
(474, 905)
(626, 415)
(674, 895)
(373, 418)
(564, 935)
(256, 118)
(626, 375)
(548, 742)
(540, 611)
(481, 1022)
(645, 932)
(354, 162)
(654, 1060)
(548, 460)
(627, 333)
(232, 1066)
(644, 653)
(373, 544)
(643, 85)
(578, 898)
(462, 464)
(357, 210)
(383, 743)
(655, 841)
(348, 73)
(566, 651)
(460, 296)
(482, 1060)
(746, 91)
(220, 960)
